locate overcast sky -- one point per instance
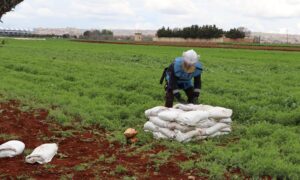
(257, 15)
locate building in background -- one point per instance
(15, 32)
(138, 36)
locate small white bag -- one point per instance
(11, 148)
(42, 154)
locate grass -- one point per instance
(7, 137)
(160, 159)
(120, 169)
(112, 85)
(81, 167)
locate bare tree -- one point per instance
(7, 6)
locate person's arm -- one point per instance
(173, 80)
(197, 85)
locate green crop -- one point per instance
(112, 85)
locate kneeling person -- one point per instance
(179, 75)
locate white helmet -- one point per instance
(190, 57)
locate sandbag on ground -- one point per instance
(158, 135)
(11, 148)
(226, 121)
(150, 127)
(42, 154)
(218, 134)
(185, 107)
(206, 123)
(192, 118)
(193, 107)
(214, 129)
(170, 125)
(202, 107)
(170, 114)
(219, 113)
(176, 126)
(182, 137)
(154, 111)
(226, 129)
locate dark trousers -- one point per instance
(170, 96)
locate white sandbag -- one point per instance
(11, 148)
(158, 135)
(206, 123)
(226, 121)
(42, 154)
(219, 113)
(197, 138)
(214, 129)
(202, 107)
(167, 132)
(159, 122)
(226, 129)
(170, 114)
(150, 127)
(154, 111)
(219, 134)
(192, 118)
(170, 125)
(185, 107)
(182, 128)
(181, 137)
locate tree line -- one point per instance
(98, 35)
(201, 32)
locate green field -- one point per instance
(112, 85)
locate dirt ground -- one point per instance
(202, 45)
(85, 153)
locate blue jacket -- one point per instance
(179, 79)
(181, 74)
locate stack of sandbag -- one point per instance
(188, 122)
